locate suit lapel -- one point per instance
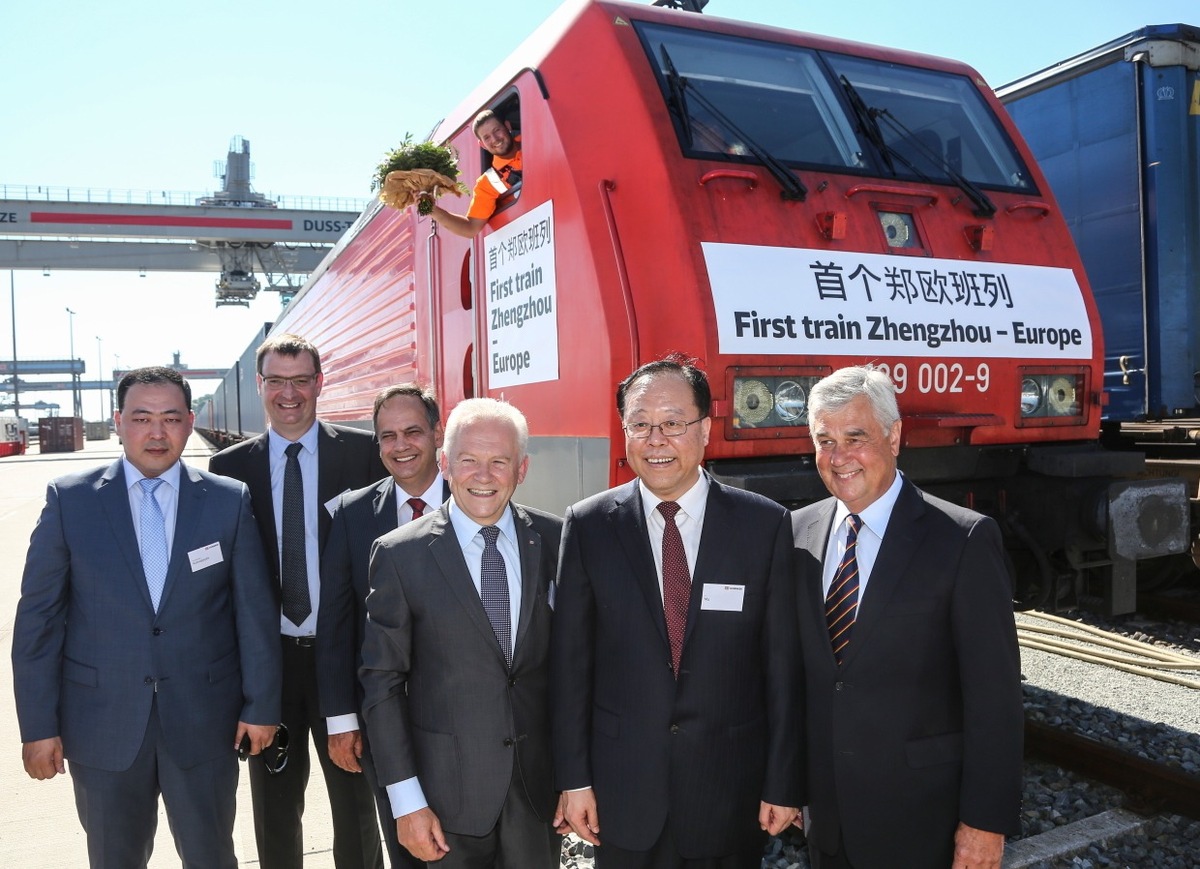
(714, 551)
(384, 507)
(449, 558)
(188, 514)
(814, 540)
(629, 527)
(114, 495)
(258, 481)
(529, 544)
(330, 461)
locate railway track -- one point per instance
(1151, 786)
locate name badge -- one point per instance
(726, 598)
(205, 556)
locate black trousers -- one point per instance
(279, 799)
(665, 855)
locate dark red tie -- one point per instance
(841, 604)
(418, 507)
(677, 581)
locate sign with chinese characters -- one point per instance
(789, 301)
(522, 290)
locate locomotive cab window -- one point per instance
(747, 100)
(503, 172)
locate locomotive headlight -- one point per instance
(752, 401)
(1031, 396)
(1061, 396)
(791, 402)
(1051, 397)
(898, 229)
(771, 400)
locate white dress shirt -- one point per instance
(875, 520)
(689, 520)
(167, 497)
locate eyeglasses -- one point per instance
(300, 381)
(274, 756)
(672, 428)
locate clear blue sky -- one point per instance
(147, 95)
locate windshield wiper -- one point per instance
(678, 96)
(868, 122)
(792, 188)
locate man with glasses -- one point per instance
(295, 472)
(674, 653)
(408, 427)
(144, 645)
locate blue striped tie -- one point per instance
(153, 540)
(841, 604)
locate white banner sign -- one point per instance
(793, 301)
(522, 290)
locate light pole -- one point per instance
(76, 401)
(100, 373)
(12, 295)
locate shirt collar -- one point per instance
(690, 502)
(132, 475)
(876, 515)
(431, 496)
(278, 443)
(465, 528)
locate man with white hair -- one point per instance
(455, 657)
(912, 673)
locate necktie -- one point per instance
(153, 539)
(418, 507)
(677, 582)
(493, 588)
(293, 567)
(841, 604)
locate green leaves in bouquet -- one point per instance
(417, 155)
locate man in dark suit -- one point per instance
(914, 714)
(409, 430)
(144, 645)
(455, 658)
(674, 654)
(295, 471)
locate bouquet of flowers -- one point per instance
(417, 172)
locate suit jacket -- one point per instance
(89, 652)
(347, 458)
(921, 726)
(441, 702)
(361, 516)
(699, 753)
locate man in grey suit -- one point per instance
(144, 646)
(317, 462)
(455, 657)
(408, 427)
(913, 697)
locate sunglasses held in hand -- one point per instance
(274, 756)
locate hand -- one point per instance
(345, 749)
(579, 810)
(559, 823)
(43, 758)
(774, 818)
(261, 735)
(977, 849)
(421, 833)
